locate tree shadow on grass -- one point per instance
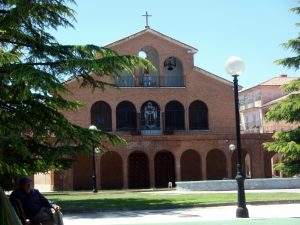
(122, 206)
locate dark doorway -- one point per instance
(216, 167)
(138, 170)
(198, 116)
(174, 116)
(101, 115)
(111, 171)
(268, 163)
(190, 164)
(233, 163)
(82, 170)
(126, 116)
(164, 169)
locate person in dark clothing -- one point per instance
(37, 209)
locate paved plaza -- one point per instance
(283, 214)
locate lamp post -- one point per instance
(235, 67)
(95, 190)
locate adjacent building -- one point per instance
(255, 102)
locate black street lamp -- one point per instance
(235, 66)
(95, 190)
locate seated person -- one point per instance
(35, 207)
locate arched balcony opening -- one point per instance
(101, 115)
(173, 72)
(174, 116)
(126, 116)
(149, 78)
(198, 116)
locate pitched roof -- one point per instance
(149, 30)
(188, 47)
(280, 99)
(278, 81)
(214, 76)
(275, 81)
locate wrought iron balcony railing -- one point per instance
(149, 80)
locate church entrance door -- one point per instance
(138, 170)
(164, 169)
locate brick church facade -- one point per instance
(178, 122)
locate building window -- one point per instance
(101, 115)
(198, 116)
(150, 78)
(241, 100)
(174, 116)
(173, 72)
(126, 116)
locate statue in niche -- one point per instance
(150, 115)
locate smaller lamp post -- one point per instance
(95, 190)
(232, 147)
(235, 67)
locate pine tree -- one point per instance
(287, 143)
(34, 134)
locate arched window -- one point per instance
(150, 116)
(126, 116)
(173, 72)
(101, 115)
(174, 116)
(198, 116)
(150, 78)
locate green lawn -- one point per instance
(125, 200)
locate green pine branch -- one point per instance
(35, 136)
(287, 143)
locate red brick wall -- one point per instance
(216, 94)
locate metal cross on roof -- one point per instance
(147, 22)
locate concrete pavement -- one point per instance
(189, 216)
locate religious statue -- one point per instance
(150, 115)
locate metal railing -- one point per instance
(150, 80)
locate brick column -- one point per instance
(203, 164)
(152, 169)
(125, 171)
(68, 179)
(98, 170)
(177, 168)
(229, 164)
(113, 118)
(186, 118)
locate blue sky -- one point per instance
(251, 29)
